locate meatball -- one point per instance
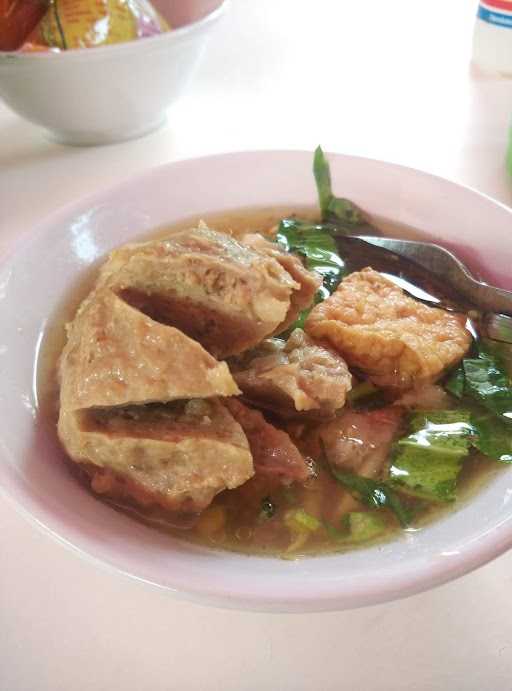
(274, 453)
(298, 375)
(360, 442)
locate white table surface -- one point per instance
(385, 80)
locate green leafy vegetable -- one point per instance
(365, 525)
(484, 382)
(314, 243)
(487, 381)
(322, 175)
(427, 462)
(317, 247)
(455, 382)
(357, 526)
(337, 534)
(299, 521)
(374, 494)
(336, 210)
(493, 435)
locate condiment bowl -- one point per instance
(110, 93)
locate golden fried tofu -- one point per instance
(294, 376)
(274, 454)
(396, 340)
(308, 281)
(216, 290)
(115, 355)
(178, 455)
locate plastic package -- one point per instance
(65, 24)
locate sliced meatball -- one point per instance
(360, 442)
(177, 456)
(396, 340)
(294, 376)
(308, 281)
(274, 453)
(115, 355)
(216, 290)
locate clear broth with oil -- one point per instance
(235, 520)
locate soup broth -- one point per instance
(264, 516)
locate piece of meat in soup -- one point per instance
(360, 442)
(274, 453)
(397, 341)
(298, 375)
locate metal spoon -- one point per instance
(433, 275)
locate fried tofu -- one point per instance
(298, 375)
(218, 291)
(396, 340)
(117, 356)
(177, 456)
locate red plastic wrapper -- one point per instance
(17, 19)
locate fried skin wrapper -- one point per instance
(216, 290)
(177, 456)
(396, 340)
(117, 356)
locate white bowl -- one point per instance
(110, 93)
(38, 277)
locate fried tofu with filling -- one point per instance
(308, 281)
(117, 356)
(396, 340)
(215, 289)
(295, 376)
(177, 456)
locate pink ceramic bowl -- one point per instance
(37, 278)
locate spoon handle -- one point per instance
(446, 266)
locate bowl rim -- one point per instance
(180, 34)
(415, 577)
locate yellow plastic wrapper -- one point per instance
(88, 23)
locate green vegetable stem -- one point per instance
(336, 210)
